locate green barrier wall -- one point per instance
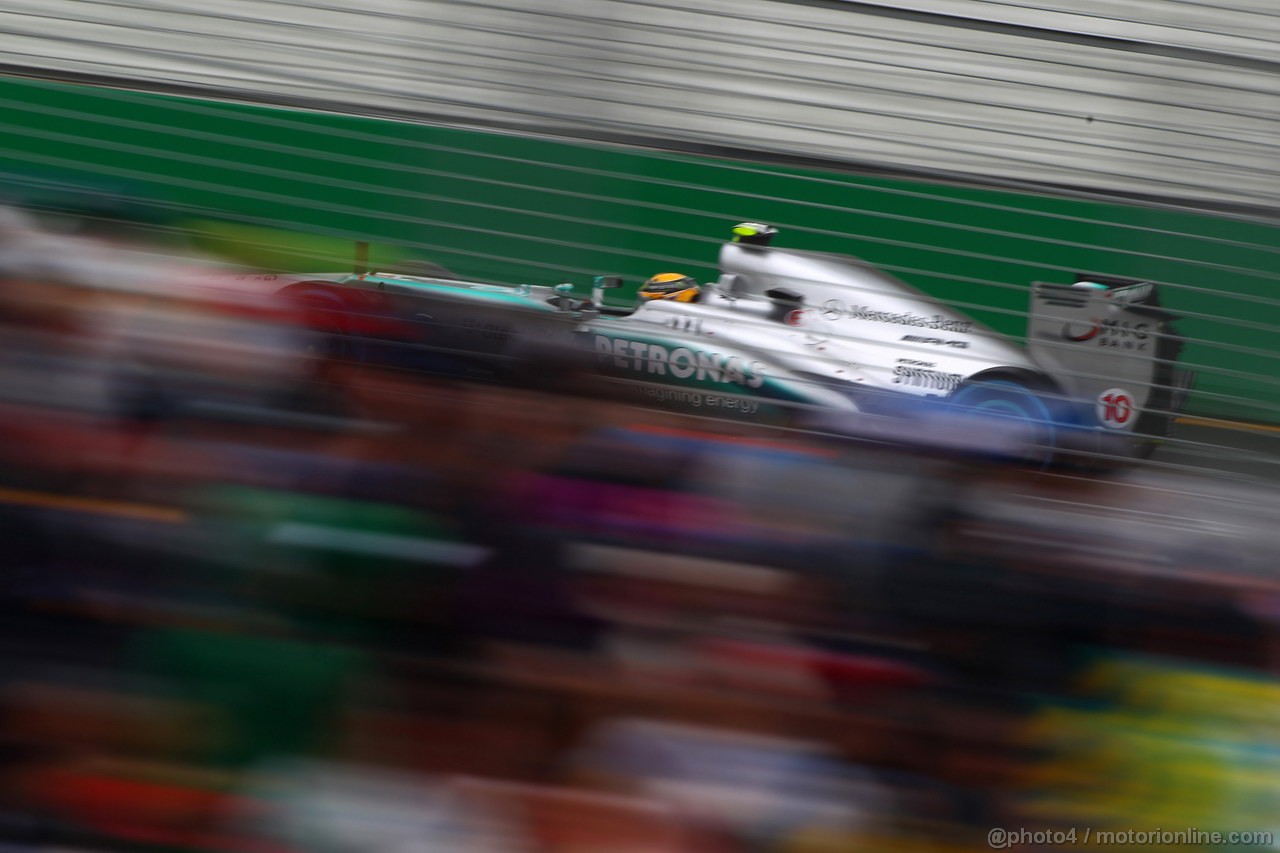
(507, 207)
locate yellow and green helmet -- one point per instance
(675, 286)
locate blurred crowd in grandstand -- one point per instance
(256, 598)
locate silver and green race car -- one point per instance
(783, 334)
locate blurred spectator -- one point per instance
(757, 789)
(259, 596)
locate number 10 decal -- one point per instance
(1115, 408)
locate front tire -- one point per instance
(323, 320)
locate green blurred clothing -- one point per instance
(265, 695)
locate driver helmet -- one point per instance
(670, 285)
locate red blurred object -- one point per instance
(150, 811)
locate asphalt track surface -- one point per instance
(1237, 450)
(1201, 448)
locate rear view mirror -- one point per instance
(564, 296)
(601, 283)
(784, 302)
(785, 295)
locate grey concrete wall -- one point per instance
(1155, 97)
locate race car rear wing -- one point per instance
(1108, 341)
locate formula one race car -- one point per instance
(785, 332)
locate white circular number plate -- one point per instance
(1116, 408)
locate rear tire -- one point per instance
(1009, 401)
